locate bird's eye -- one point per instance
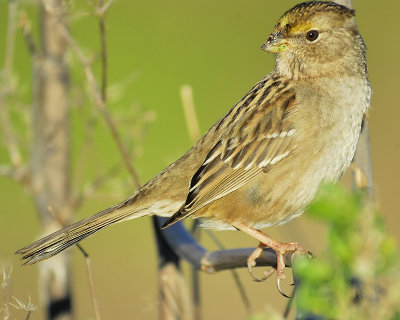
(312, 35)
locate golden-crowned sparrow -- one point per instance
(263, 162)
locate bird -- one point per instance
(263, 162)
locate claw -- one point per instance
(251, 262)
(280, 249)
(265, 276)
(278, 284)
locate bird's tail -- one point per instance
(62, 239)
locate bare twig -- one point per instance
(288, 307)
(20, 174)
(5, 290)
(5, 311)
(101, 12)
(6, 277)
(27, 307)
(88, 262)
(190, 112)
(103, 7)
(187, 248)
(99, 102)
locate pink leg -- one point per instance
(280, 248)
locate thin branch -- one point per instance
(100, 13)
(186, 247)
(190, 112)
(288, 307)
(99, 102)
(20, 175)
(5, 311)
(28, 307)
(88, 262)
(5, 289)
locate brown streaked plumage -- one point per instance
(263, 162)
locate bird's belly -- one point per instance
(281, 194)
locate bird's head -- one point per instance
(316, 38)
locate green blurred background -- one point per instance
(154, 47)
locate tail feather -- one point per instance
(62, 239)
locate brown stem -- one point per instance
(190, 112)
(93, 295)
(103, 40)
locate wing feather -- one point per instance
(255, 137)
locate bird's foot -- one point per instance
(251, 263)
(281, 249)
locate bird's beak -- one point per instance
(275, 43)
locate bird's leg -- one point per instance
(280, 248)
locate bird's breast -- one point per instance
(332, 122)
